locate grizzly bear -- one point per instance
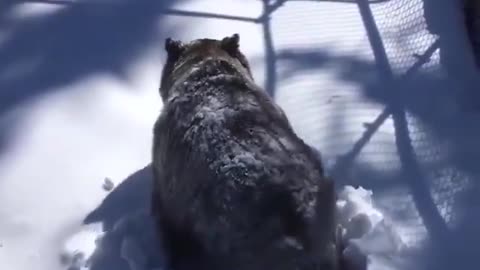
(234, 186)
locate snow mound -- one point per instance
(369, 240)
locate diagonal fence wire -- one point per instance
(411, 170)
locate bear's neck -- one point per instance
(210, 71)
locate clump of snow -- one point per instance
(356, 210)
(108, 184)
(366, 234)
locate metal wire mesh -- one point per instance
(404, 152)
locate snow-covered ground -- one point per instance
(386, 91)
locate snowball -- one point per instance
(108, 184)
(353, 201)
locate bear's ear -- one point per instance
(173, 47)
(231, 43)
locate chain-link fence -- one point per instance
(418, 153)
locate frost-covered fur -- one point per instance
(235, 187)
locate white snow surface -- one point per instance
(386, 90)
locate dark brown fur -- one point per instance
(235, 187)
